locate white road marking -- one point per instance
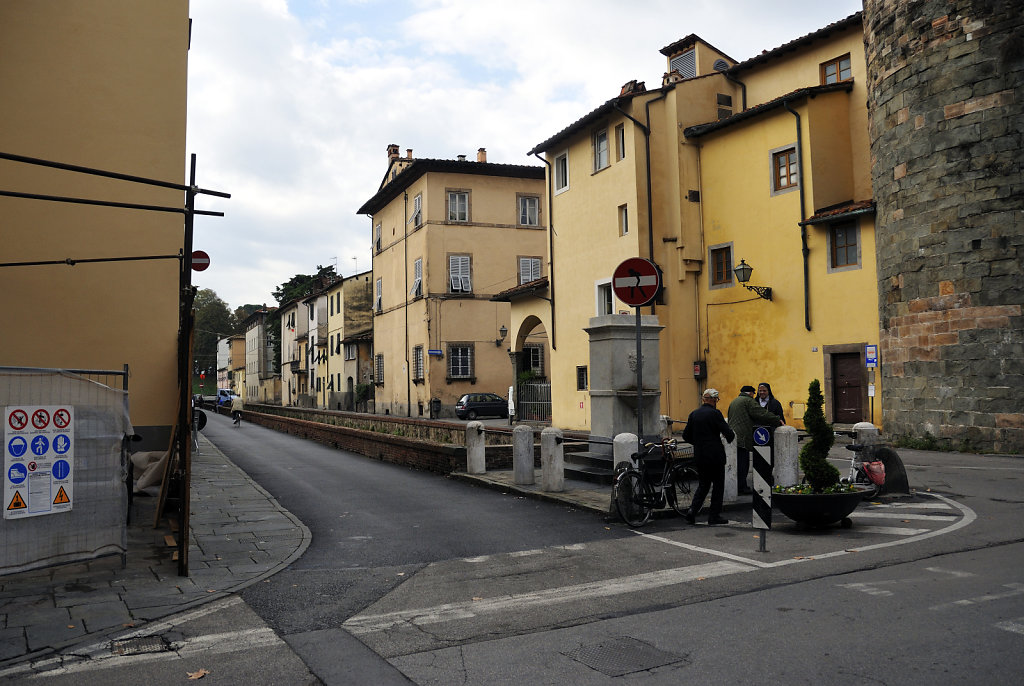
(952, 572)
(1016, 589)
(911, 506)
(366, 624)
(525, 553)
(1009, 625)
(904, 515)
(891, 530)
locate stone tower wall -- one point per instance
(946, 102)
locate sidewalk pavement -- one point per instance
(239, 535)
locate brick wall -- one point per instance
(946, 105)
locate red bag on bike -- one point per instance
(875, 471)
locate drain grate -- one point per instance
(138, 646)
(623, 655)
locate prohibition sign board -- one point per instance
(39, 460)
(636, 281)
(200, 261)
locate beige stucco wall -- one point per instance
(432, 321)
(99, 84)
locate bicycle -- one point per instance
(636, 494)
(866, 470)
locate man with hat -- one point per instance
(704, 428)
(744, 414)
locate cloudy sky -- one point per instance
(292, 103)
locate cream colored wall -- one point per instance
(99, 84)
(494, 243)
(830, 180)
(587, 249)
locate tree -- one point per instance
(814, 455)
(301, 285)
(214, 320)
(242, 313)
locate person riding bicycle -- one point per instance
(237, 405)
(703, 431)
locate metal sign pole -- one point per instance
(639, 383)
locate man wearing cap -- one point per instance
(744, 414)
(704, 428)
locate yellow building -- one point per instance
(447, 236)
(682, 175)
(785, 187)
(99, 84)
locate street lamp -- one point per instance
(743, 272)
(502, 332)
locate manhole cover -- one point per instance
(623, 655)
(138, 646)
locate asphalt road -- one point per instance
(414, 578)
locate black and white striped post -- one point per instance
(763, 464)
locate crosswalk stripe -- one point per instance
(904, 515)
(891, 530)
(910, 506)
(367, 624)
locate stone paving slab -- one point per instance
(239, 535)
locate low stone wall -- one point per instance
(395, 440)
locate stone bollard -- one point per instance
(786, 471)
(552, 461)
(522, 455)
(731, 492)
(623, 447)
(475, 460)
(866, 433)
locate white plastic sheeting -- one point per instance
(96, 524)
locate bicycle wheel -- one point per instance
(682, 481)
(868, 488)
(630, 498)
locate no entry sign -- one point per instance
(200, 261)
(636, 281)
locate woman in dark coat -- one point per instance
(768, 401)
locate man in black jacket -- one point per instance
(704, 428)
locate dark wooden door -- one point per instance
(847, 407)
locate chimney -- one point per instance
(481, 155)
(392, 152)
(462, 158)
(408, 153)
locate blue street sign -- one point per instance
(60, 469)
(762, 436)
(17, 473)
(17, 446)
(40, 444)
(61, 443)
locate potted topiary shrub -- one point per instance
(820, 499)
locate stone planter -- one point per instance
(818, 509)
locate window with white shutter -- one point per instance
(529, 269)
(417, 278)
(458, 274)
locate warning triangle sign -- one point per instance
(17, 502)
(62, 497)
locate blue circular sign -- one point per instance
(60, 469)
(17, 446)
(762, 436)
(17, 473)
(40, 444)
(61, 444)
